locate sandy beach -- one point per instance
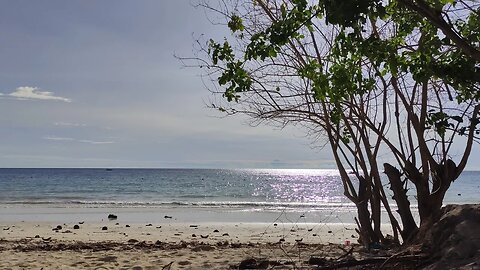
(112, 244)
(172, 244)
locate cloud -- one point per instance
(27, 92)
(96, 142)
(55, 138)
(67, 124)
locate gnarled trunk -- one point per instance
(365, 230)
(430, 202)
(403, 204)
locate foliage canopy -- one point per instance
(367, 74)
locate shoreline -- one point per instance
(176, 232)
(31, 254)
(33, 245)
(199, 245)
(152, 238)
(29, 213)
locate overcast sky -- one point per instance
(96, 84)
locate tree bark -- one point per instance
(403, 204)
(376, 212)
(367, 234)
(442, 176)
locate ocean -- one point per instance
(220, 194)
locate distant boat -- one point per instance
(108, 170)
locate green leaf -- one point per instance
(457, 118)
(236, 24)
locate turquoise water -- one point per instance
(272, 189)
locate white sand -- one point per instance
(175, 232)
(191, 239)
(260, 240)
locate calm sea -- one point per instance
(244, 189)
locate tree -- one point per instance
(366, 75)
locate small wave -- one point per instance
(212, 204)
(233, 205)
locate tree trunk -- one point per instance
(367, 234)
(376, 212)
(425, 207)
(430, 202)
(403, 204)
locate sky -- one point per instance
(96, 84)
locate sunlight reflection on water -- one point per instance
(300, 185)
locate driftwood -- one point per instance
(347, 253)
(407, 259)
(168, 266)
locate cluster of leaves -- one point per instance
(349, 13)
(433, 56)
(460, 71)
(269, 42)
(440, 121)
(234, 75)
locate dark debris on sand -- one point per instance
(453, 242)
